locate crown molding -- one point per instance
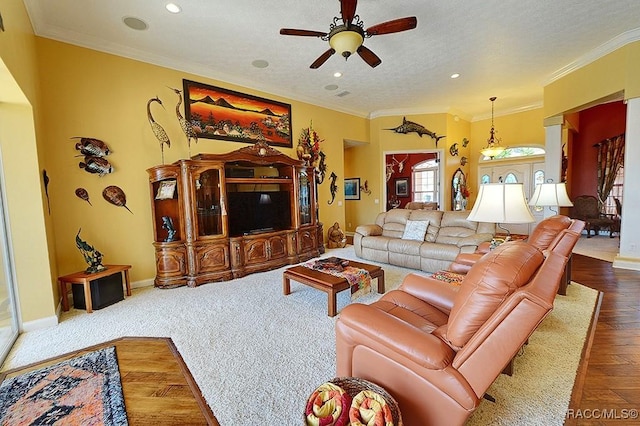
(510, 111)
(595, 54)
(418, 111)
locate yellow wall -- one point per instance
(366, 161)
(613, 73)
(22, 162)
(519, 129)
(93, 94)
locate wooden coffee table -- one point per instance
(328, 283)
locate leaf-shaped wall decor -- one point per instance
(115, 196)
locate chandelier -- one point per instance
(493, 147)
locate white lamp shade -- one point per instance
(501, 203)
(550, 194)
(346, 41)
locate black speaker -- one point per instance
(104, 292)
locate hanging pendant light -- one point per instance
(493, 147)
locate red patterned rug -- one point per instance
(85, 390)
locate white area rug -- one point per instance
(257, 355)
(599, 246)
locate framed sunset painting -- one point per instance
(218, 113)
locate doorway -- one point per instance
(412, 176)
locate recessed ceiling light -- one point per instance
(260, 63)
(173, 8)
(455, 75)
(337, 74)
(331, 87)
(135, 23)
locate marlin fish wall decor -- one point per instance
(410, 126)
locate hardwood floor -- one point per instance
(607, 388)
(157, 386)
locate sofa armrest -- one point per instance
(367, 230)
(410, 342)
(475, 239)
(435, 292)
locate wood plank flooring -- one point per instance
(157, 386)
(608, 386)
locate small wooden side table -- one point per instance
(85, 279)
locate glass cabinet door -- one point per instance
(306, 207)
(208, 205)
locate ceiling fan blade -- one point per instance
(395, 26)
(369, 57)
(348, 10)
(306, 33)
(322, 59)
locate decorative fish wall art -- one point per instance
(411, 127)
(98, 165)
(115, 196)
(92, 146)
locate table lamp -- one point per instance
(501, 203)
(550, 195)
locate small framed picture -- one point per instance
(402, 187)
(352, 189)
(166, 189)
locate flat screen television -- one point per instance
(254, 212)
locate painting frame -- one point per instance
(352, 188)
(224, 114)
(402, 187)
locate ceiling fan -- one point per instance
(347, 33)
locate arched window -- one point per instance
(425, 181)
(519, 151)
(510, 178)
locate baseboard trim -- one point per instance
(40, 323)
(626, 263)
(142, 283)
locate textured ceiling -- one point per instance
(504, 48)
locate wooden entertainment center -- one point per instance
(222, 216)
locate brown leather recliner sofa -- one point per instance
(541, 237)
(437, 348)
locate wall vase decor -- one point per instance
(218, 113)
(310, 151)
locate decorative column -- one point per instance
(629, 256)
(553, 149)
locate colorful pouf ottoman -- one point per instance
(351, 401)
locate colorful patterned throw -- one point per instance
(85, 390)
(358, 279)
(448, 277)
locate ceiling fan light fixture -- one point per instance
(346, 42)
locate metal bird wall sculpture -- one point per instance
(186, 127)
(157, 129)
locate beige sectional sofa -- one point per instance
(448, 233)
